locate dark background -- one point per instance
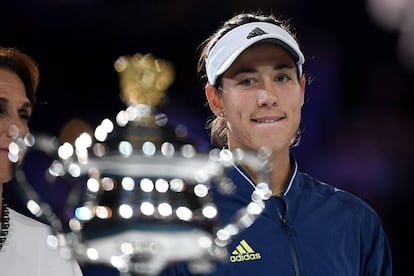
(357, 120)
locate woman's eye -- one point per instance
(3, 110)
(247, 82)
(282, 78)
(24, 115)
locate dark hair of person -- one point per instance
(218, 125)
(23, 66)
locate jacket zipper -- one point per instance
(285, 225)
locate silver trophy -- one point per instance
(140, 198)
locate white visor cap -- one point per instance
(233, 43)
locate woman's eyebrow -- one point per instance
(245, 70)
(27, 105)
(284, 66)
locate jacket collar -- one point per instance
(290, 184)
(293, 173)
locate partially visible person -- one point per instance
(252, 70)
(23, 246)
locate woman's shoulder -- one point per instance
(327, 190)
(24, 221)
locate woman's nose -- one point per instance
(17, 129)
(14, 131)
(267, 96)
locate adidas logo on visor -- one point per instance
(256, 32)
(243, 253)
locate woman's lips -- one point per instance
(267, 119)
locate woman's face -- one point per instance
(15, 111)
(261, 98)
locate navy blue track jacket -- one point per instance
(312, 229)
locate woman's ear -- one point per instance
(302, 89)
(214, 99)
